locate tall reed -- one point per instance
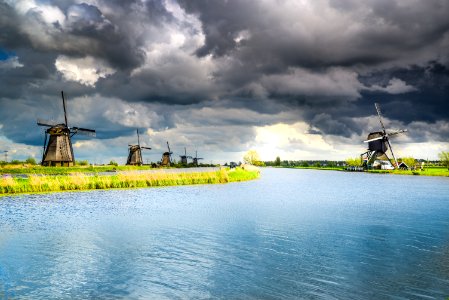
(81, 181)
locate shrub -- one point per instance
(31, 161)
(82, 163)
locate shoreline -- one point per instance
(432, 172)
(35, 183)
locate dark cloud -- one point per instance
(224, 67)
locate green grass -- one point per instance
(238, 174)
(82, 181)
(432, 171)
(429, 171)
(37, 169)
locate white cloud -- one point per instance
(50, 14)
(87, 70)
(332, 82)
(10, 63)
(394, 86)
(292, 142)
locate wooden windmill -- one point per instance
(166, 157)
(196, 159)
(135, 153)
(184, 158)
(58, 150)
(379, 143)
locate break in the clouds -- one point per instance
(292, 78)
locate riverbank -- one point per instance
(430, 171)
(80, 181)
(91, 169)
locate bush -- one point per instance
(83, 163)
(31, 161)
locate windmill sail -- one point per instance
(84, 131)
(48, 123)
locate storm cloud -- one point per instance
(213, 74)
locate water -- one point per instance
(291, 234)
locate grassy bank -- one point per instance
(435, 171)
(81, 181)
(429, 171)
(37, 169)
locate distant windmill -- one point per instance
(58, 151)
(379, 143)
(184, 157)
(166, 157)
(135, 153)
(196, 159)
(6, 155)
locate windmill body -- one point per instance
(379, 144)
(135, 153)
(166, 157)
(58, 150)
(196, 159)
(184, 158)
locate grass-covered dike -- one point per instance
(37, 183)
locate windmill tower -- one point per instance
(6, 155)
(58, 150)
(196, 159)
(184, 157)
(135, 153)
(166, 157)
(379, 143)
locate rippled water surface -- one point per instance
(291, 234)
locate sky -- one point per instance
(291, 78)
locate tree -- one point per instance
(277, 162)
(444, 158)
(31, 160)
(252, 157)
(113, 163)
(353, 162)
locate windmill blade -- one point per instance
(146, 148)
(84, 131)
(391, 150)
(168, 146)
(380, 117)
(374, 139)
(138, 138)
(63, 104)
(47, 123)
(397, 132)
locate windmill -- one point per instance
(166, 157)
(196, 159)
(58, 150)
(135, 153)
(184, 157)
(6, 155)
(379, 143)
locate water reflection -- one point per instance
(292, 234)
